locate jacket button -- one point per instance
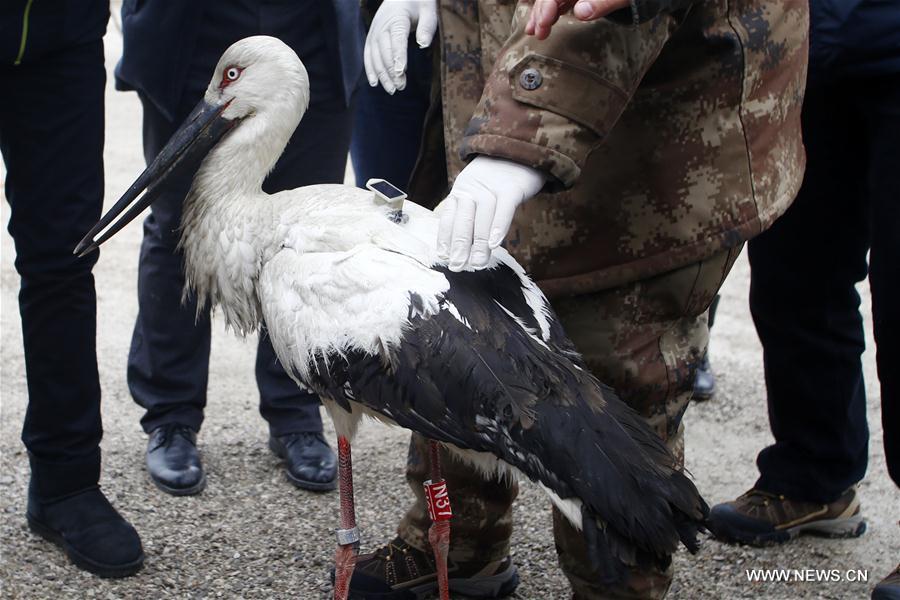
(531, 79)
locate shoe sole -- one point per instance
(173, 491)
(101, 570)
(303, 484)
(493, 586)
(850, 527)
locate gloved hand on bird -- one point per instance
(475, 217)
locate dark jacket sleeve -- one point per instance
(547, 104)
(854, 38)
(158, 38)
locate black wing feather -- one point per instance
(492, 387)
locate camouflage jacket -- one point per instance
(667, 141)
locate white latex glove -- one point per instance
(476, 215)
(384, 56)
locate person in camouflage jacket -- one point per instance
(668, 139)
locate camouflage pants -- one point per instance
(645, 339)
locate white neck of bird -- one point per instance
(221, 217)
(238, 165)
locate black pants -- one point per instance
(387, 128)
(803, 299)
(169, 358)
(51, 137)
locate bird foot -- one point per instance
(439, 538)
(344, 563)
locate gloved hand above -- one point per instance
(477, 214)
(384, 56)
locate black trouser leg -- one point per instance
(805, 308)
(51, 137)
(387, 128)
(169, 358)
(880, 106)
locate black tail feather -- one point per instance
(607, 568)
(612, 555)
(690, 528)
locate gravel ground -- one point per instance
(252, 535)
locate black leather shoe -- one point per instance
(309, 461)
(173, 461)
(93, 534)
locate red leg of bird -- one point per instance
(438, 501)
(348, 534)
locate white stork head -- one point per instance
(260, 77)
(262, 84)
(254, 102)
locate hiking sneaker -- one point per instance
(759, 518)
(398, 571)
(889, 587)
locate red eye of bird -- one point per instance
(229, 75)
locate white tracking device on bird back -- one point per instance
(388, 193)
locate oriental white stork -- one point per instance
(361, 309)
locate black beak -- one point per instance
(180, 158)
